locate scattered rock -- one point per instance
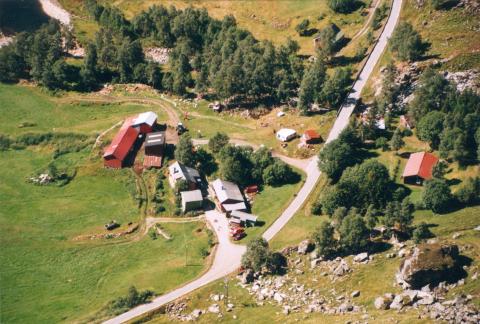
(355, 293)
(381, 303)
(315, 262)
(341, 269)
(362, 257)
(247, 276)
(215, 309)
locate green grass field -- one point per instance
(48, 277)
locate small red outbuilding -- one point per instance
(311, 137)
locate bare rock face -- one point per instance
(429, 264)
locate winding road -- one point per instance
(228, 255)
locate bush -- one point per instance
(406, 42)
(379, 14)
(317, 208)
(218, 141)
(469, 193)
(302, 27)
(324, 240)
(279, 173)
(437, 195)
(381, 143)
(5, 142)
(421, 232)
(342, 6)
(133, 298)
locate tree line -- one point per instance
(208, 56)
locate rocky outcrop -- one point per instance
(305, 247)
(429, 264)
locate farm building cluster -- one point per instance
(135, 131)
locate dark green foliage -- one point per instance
(316, 208)
(337, 87)
(235, 164)
(382, 143)
(421, 232)
(324, 240)
(456, 136)
(369, 181)
(338, 215)
(397, 142)
(184, 151)
(132, 299)
(437, 195)
(371, 217)
(302, 27)
(378, 15)
(469, 193)
(181, 185)
(261, 159)
(353, 233)
(388, 97)
(279, 173)
(430, 128)
(326, 41)
(5, 142)
(439, 169)
(312, 83)
(443, 4)
(205, 161)
(406, 42)
(335, 157)
(399, 215)
(258, 256)
(342, 6)
(218, 141)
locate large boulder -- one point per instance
(305, 247)
(429, 264)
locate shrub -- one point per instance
(302, 27)
(406, 42)
(324, 240)
(342, 6)
(469, 193)
(421, 232)
(132, 299)
(218, 141)
(279, 173)
(381, 143)
(5, 142)
(437, 195)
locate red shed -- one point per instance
(121, 144)
(419, 167)
(311, 137)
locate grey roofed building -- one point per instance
(236, 206)
(227, 192)
(244, 217)
(179, 171)
(191, 200)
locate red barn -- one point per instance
(145, 122)
(419, 167)
(122, 143)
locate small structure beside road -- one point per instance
(229, 195)
(286, 134)
(243, 217)
(191, 200)
(310, 137)
(419, 168)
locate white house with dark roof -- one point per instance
(178, 171)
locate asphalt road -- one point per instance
(228, 255)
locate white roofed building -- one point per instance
(229, 195)
(286, 134)
(145, 121)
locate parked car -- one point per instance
(181, 128)
(239, 236)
